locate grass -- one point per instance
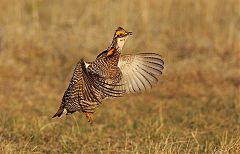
(194, 109)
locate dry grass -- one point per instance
(195, 109)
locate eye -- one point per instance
(120, 33)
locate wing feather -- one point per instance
(86, 87)
(140, 71)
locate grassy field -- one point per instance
(194, 109)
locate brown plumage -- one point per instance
(110, 75)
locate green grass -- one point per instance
(194, 109)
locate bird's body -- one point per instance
(107, 67)
(110, 75)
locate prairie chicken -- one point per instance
(110, 75)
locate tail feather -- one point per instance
(59, 112)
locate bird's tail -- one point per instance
(59, 112)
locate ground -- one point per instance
(195, 108)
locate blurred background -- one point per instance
(194, 109)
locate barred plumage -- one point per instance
(110, 75)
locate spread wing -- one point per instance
(88, 87)
(86, 90)
(140, 71)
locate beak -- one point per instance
(129, 33)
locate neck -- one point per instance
(117, 43)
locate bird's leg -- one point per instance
(90, 117)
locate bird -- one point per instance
(111, 74)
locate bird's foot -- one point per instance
(90, 117)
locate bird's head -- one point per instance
(121, 33)
(120, 37)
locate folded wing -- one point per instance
(140, 71)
